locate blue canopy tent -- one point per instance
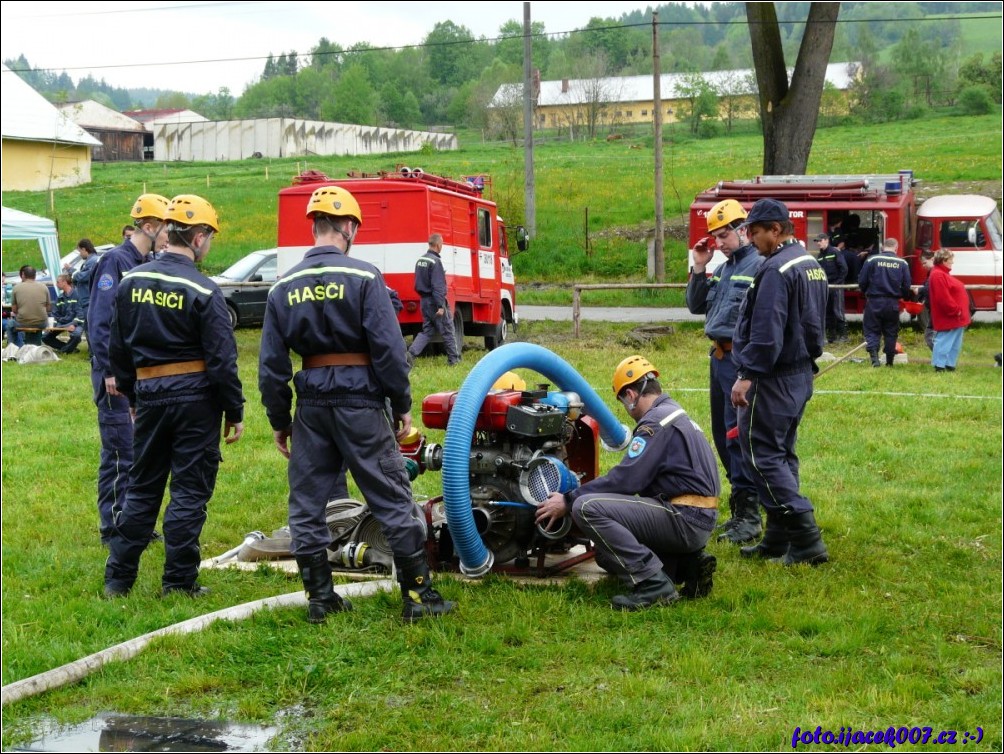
(18, 225)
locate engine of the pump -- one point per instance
(526, 444)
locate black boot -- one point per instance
(655, 590)
(889, 359)
(315, 570)
(696, 571)
(726, 526)
(775, 540)
(420, 599)
(875, 358)
(806, 541)
(746, 524)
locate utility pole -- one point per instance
(529, 183)
(659, 248)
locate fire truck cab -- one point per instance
(865, 210)
(400, 211)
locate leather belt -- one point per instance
(722, 347)
(695, 501)
(336, 360)
(170, 370)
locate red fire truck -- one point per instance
(867, 209)
(400, 211)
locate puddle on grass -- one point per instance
(131, 733)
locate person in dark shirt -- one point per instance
(69, 317)
(652, 514)
(174, 358)
(430, 285)
(884, 279)
(335, 312)
(835, 266)
(779, 335)
(114, 420)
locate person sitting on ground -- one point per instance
(68, 317)
(30, 306)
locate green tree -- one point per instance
(974, 72)
(172, 101)
(326, 54)
(702, 100)
(509, 47)
(920, 63)
(354, 98)
(450, 53)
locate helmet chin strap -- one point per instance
(349, 237)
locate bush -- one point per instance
(975, 100)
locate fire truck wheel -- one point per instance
(498, 337)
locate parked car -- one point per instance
(245, 286)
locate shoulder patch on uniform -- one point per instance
(105, 282)
(637, 447)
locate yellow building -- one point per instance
(42, 148)
(613, 101)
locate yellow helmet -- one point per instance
(149, 205)
(189, 209)
(632, 369)
(509, 381)
(725, 213)
(336, 201)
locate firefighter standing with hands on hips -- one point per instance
(114, 421)
(779, 334)
(718, 298)
(334, 312)
(652, 514)
(174, 357)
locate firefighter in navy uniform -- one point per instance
(884, 279)
(335, 313)
(780, 332)
(652, 514)
(114, 421)
(174, 356)
(831, 259)
(430, 284)
(718, 298)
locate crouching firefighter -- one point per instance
(333, 311)
(652, 514)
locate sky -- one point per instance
(155, 45)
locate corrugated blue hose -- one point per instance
(475, 559)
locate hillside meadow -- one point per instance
(595, 199)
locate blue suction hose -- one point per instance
(475, 559)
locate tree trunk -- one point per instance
(789, 112)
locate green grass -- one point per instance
(903, 627)
(611, 182)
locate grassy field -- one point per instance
(611, 182)
(902, 628)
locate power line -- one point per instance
(454, 42)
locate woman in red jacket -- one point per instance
(949, 311)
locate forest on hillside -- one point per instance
(914, 56)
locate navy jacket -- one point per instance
(166, 311)
(885, 275)
(719, 296)
(663, 460)
(782, 321)
(331, 303)
(831, 259)
(104, 285)
(68, 310)
(430, 278)
(82, 280)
